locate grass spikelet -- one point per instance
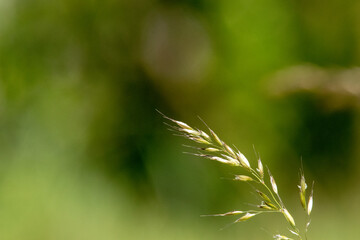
(221, 160)
(247, 216)
(302, 190)
(243, 178)
(264, 206)
(217, 139)
(229, 150)
(260, 169)
(264, 196)
(270, 205)
(311, 201)
(288, 217)
(210, 149)
(243, 160)
(293, 232)
(273, 184)
(205, 135)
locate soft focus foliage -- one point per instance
(84, 154)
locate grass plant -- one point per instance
(208, 145)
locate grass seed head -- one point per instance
(215, 149)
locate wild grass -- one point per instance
(208, 145)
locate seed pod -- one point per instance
(264, 206)
(311, 201)
(272, 206)
(218, 159)
(302, 188)
(288, 217)
(246, 217)
(303, 185)
(273, 184)
(243, 178)
(264, 196)
(243, 161)
(191, 132)
(229, 150)
(260, 168)
(181, 124)
(217, 139)
(210, 149)
(205, 135)
(199, 139)
(231, 160)
(303, 200)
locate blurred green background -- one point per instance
(84, 154)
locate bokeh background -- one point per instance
(84, 154)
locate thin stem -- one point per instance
(254, 173)
(259, 211)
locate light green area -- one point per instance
(84, 154)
